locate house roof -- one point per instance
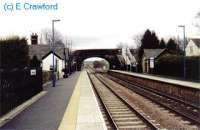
(148, 53)
(41, 51)
(134, 52)
(196, 41)
(121, 59)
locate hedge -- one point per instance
(13, 53)
(46, 76)
(172, 65)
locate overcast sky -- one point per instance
(104, 23)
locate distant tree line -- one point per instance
(150, 41)
(100, 64)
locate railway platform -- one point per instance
(71, 105)
(58, 111)
(47, 112)
(83, 112)
(183, 83)
(184, 90)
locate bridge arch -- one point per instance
(111, 55)
(97, 62)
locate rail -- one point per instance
(142, 117)
(184, 109)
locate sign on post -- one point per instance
(33, 72)
(151, 62)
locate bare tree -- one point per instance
(46, 37)
(197, 24)
(198, 15)
(122, 45)
(138, 38)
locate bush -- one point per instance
(46, 76)
(14, 53)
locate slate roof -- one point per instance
(41, 51)
(152, 53)
(134, 52)
(121, 59)
(197, 42)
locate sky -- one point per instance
(104, 23)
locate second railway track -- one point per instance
(187, 111)
(148, 114)
(120, 114)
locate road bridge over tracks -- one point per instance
(111, 55)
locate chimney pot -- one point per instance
(34, 39)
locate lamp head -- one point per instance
(181, 26)
(56, 20)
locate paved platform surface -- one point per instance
(47, 113)
(162, 79)
(83, 112)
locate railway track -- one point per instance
(187, 111)
(119, 113)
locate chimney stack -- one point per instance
(34, 39)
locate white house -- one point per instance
(44, 53)
(193, 47)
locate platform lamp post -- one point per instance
(53, 51)
(68, 60)
(126, 60)
(184, 44)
